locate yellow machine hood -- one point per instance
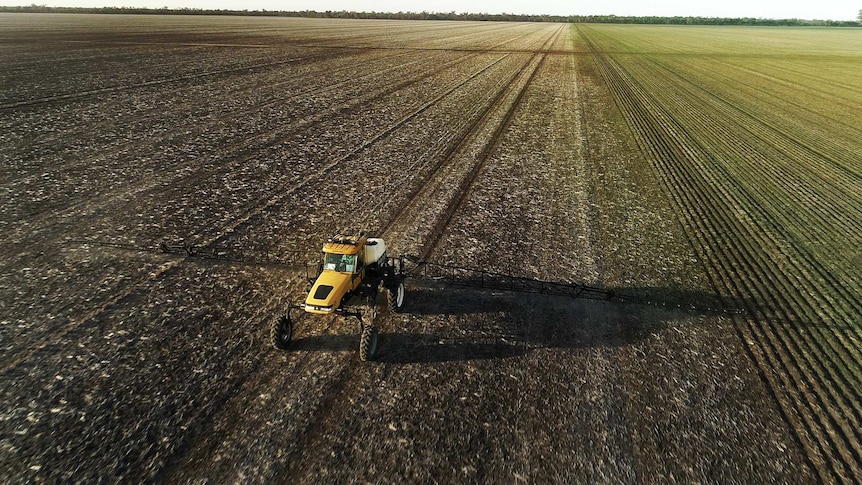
(325, 295)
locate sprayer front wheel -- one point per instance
(281, 332)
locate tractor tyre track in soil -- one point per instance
(240, 153)
(152, 114)
(349, 381)
(127, 87)
(225, 233)
(484, 155)
(348, 376)
(428, 190)
(203, 128)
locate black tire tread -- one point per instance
(276, 333)
(392, 296)
(368, 343)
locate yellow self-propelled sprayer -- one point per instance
(348, 281)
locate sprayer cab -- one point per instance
(349, 262)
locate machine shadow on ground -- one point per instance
(443, 323)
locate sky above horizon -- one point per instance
(823, 10)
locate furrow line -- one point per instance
(333, 408)
(790, 289)
(158, 112)
(420, 192)
(798, 271)
(702, 231)
(454, 178)
(240, 152)
(463, 190)
(337, 386)
(157, 82)
(729, 256)
(837, 187)
(225, 233)
(822, 275)
(238, 113)
(824, 124)
(244, 151)
(245, 219)
(789, 344)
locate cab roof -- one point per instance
(344, 244)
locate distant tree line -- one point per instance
(593, 19)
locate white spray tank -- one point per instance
(375, 251)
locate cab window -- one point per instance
(343, 263)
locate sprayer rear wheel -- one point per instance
(395, 296)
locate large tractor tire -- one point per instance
(281, 332)
(368, 343)
(395, 295)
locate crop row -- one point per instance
(802, 316)
(792, 156)
(757, 162)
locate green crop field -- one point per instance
(755, 134)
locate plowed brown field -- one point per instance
(683, 173)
